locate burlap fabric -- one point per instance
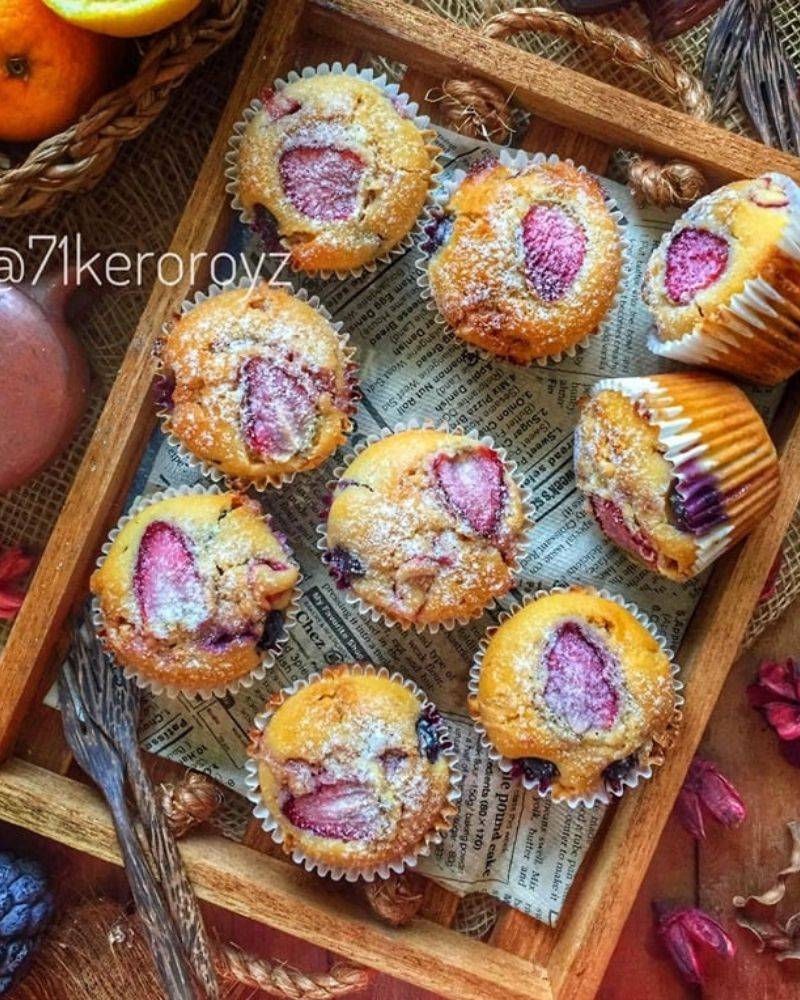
(137, 206)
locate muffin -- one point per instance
(425, 527)
(261, 386)
(524, 263)
(339, 165)
(724, 284)
(354, 772)
(193, 592)
(675, 468)
(576, 694)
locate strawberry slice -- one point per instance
(344, 810)
(322, 182)
(555, 249)
(278, 412)
(612, 523)
(579, 686)
(474, 487)
(696, 259)
(166, 581)
(278, 104)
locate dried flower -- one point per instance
(684, 930)
(15, 564)
(706, 785)
(770, 588)
(776, 694)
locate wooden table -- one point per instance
(708, 874)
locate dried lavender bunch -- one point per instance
(768, 82)
(724, 53)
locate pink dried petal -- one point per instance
(579, 684)
(717, 793)
(278, 413)
(779, 678)
(696, 259)
(784, 719)
(343, 810)
(687, 808)
(14, 564)
(555, 249)
(770, 588)
(683, 930)
(473, 485)
(322, 182)
(165, 579)
(10, 603)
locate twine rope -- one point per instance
(190, 802)
(479, 108)
(284, 981)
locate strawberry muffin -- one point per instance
(724, 284)
(339, 165)
(576, 694)
(261, 384)
(193, 592)
(675, 468)
(425, 527)
(524, 262)
(354, 772)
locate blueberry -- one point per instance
(537, 769)
(618, 770)
(427, 736)
(437, 232)
(265, 226)
(343, 566)
(273, 630)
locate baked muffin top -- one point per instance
(576, 690)
(339, 165)
(353, 770)
(425, 527)
(525, 263)
(261, 386)
(193, 591)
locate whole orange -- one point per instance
(50, 70)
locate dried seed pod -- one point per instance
(768, 83)
(724, 53)
(669, 18)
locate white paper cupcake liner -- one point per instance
(523, 544)
(604, 795)
(758, 311)
(433, 836)
(268, 656)
(401, 100)
(518, 160)
(681, 445)
(208, 469)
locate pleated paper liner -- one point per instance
(757, 335)
(708, 427)
(518, 160)
(214, 472)
(659, 743)
(523, 542)
(401, 101)
(440, 823)
(268, 656)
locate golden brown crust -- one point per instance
(419, 561)
(478, 276)
(520, 718)
(353, 726)
(346, 113)
(206, 352)
(239, 573)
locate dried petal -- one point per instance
(770, 588)
(717, 794)
(683, 929)
(15, 564)
(779, 678)
(689, 812)
(784, 719)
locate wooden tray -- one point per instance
(576, 116)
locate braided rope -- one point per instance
(284, 981)
(77, 158)
(189, 802)
(479, 108)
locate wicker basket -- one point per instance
(77, 158)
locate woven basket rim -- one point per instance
(77, 158)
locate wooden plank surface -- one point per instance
(561, 95)
(279, 895)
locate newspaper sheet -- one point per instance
(509, 843)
